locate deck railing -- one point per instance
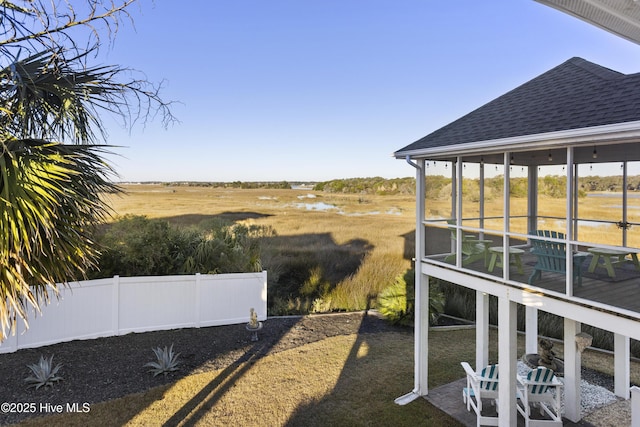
(608, 273)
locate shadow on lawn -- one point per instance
(245, 355)
(378, 369)
(206, 398)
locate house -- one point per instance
(574, 117)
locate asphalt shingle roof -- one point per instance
(575, 94)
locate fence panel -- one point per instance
(119, 305)
(154, 303)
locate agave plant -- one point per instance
(166, 361)
(43, 373)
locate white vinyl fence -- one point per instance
(119, 305)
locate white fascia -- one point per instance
(573, 137)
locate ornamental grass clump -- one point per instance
(166, 361)
(43, 373)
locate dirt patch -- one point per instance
(107, 368)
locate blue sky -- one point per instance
(321, 89)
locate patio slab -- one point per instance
(448, 398)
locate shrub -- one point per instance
(227, 248)
(139, 246)
(397, 302)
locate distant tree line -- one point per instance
(235, 184)
(375, 185)
(439, 187)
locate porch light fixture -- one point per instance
(550, 157)
(595, 153)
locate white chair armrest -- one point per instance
(467, 369)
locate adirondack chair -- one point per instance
(540, 388)
(472, 249)
(481, 386)
(552, 257)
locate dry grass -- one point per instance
(343, 380)
(372, 234)
(382, 225)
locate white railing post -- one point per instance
(197, 300)
(635, 406)
(115, 306)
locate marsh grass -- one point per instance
(320, 260)
(337, 259)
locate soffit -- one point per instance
(620, 17)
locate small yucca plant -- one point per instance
(166, 361)
(43, 373)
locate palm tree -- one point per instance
(52, 169)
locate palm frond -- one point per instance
(58, 98)
(50, 197)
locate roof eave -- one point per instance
(618, 17)
(573, 137)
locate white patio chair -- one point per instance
(540, 388)
(483, 385)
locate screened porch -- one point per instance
(534, 207)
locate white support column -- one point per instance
(572, 376)
(507, 216)
(457, 189)
(576, 188)
(482, 330)
(569, 224)
(507, 356)
(454, 188)
(481, 186)
(531, 330)
(532, 199)
(635, 406)
(422, 337)
(625, 201)
(622, 365)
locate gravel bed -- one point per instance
(595, 389)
